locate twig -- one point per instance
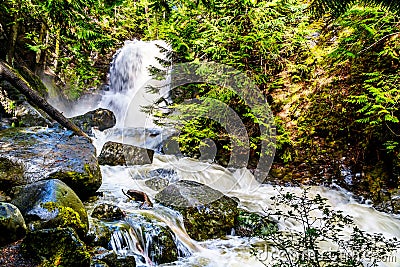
(380, 40)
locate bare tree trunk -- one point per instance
(57, 48)
(41, 37)
(7, 73)
(13, 39)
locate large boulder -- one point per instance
(57, 247)
(100, 118)
(207, 213)
(51, 204)
(114, 154)
(12, 224)
(39, 153)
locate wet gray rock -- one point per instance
(51, 204)
(160, 178)
(12, 224)
(57, 247)
(207, 213)
(114, 154)
(157, 184)
(100, 118)
(39, 153)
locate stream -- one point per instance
(128, 74)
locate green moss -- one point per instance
(83, 183)
(67, 217)
(23, 137)
(57, 247)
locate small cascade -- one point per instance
(124, 242)
(144, 236)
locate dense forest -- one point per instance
(329, 70)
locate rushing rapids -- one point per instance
(129, 76)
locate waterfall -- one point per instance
(130, 78)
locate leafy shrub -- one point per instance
(316, 226)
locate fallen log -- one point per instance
(8, 74)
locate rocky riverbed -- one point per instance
(46, 173)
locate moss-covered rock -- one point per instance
(100, 118)
(28, 116)
(114, 154)
(47, 153)
(4, 197)
(57, 247)
(11, 172)
(250, 224)
(51, 204)
(99, 234)
(207, 213)
(12, 224)
(161, 248)
(108, 212)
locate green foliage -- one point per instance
(340, 7)
(75, 39)
(372, 47)
(258, 38)
(324, 236)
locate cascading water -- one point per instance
(128, 74)
(130, 77)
